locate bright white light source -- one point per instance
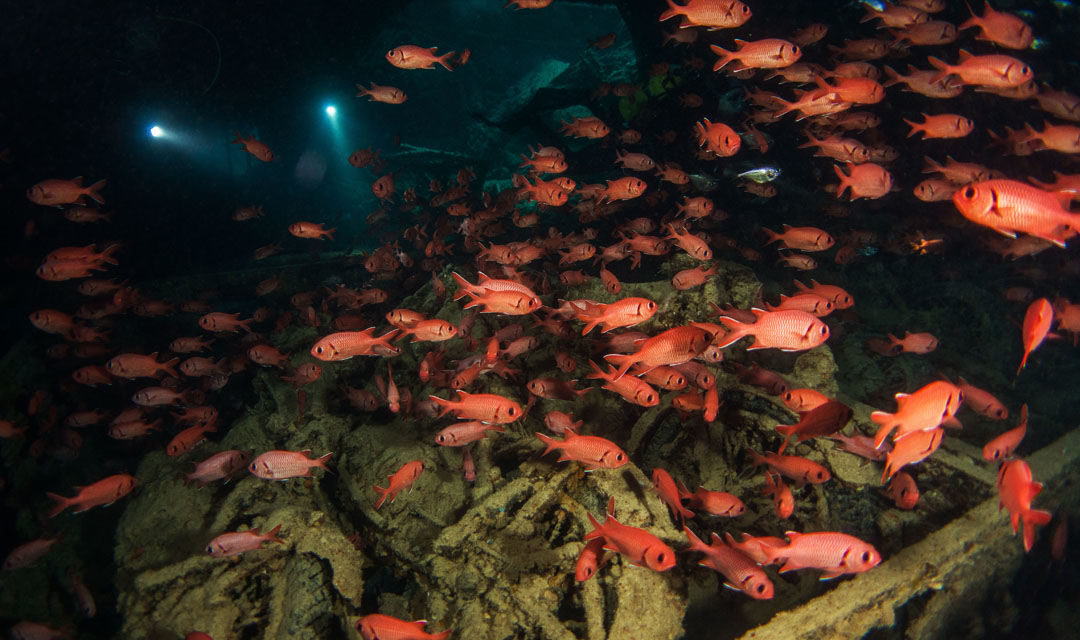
(157, 131)
(331, 110)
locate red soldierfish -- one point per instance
(590, 560)
(742, 573)
(1037, 321)
(983, 402)
(236, 542)
(925, 409)
(462, 433)
(823, 420)
(592, 451)
(1008, 207)
(714, 503)
(219, 466)
(903, 491)
(674, 346)
(784, 330)
(783, 501)
(105, 491)
(638, 546)
(912, 449)
(798, 469)
(403, 478)
(1016, 490)
(487, 407)
(279, 465)
(669, 493)
(377, 626)
(1003, 445)
(28, 553)
(835, 553)
(346, 344)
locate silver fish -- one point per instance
(760, 176)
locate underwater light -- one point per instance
(331, 110)
(156, 131)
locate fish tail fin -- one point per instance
(941, 66)
(271, 535)
(1032, 519)
(696, 543)
(552, 443)
(447, 405)
(894, 77)
(61, 503)
(725, 57)
(463, 284)
(736, 330)
(443, 60)
(887, 426)
(383, 493)
(322, 460)
(624, 361)
(915, 127)
(93, 190)
(170, 367)
(770, 234)
(845, 181)
(672, 11)
(756, 457)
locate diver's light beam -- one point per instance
(331, 110)
(156, 131)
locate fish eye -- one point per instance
(511, 411)
(760, 588)
(746, 10)
(969, 192)
(866, 556)
(660, 557)
(210, 549)
(648, 397)
(794, 50)
(996, 454)
(1025, 70)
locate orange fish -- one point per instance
(946, 125)
(1008, 206)
(715, 503)
(835, 553)
(135, 365)
(622, 313)
(995, 71)
(823, 420)
(912, 449)
(669, 493)
(785, 330)
(280, 465)
(1037, 320)
(903, 491)
(1005, 444)
(592, 451)
(920, 343)
(742, 573)
(770, 53)
(1064, 138)
(798, 469)
(690, 278)
(840, 298)
(347, 344)
(714, 14)
(783, 501)
(55, 192)
(486, 407)
(379, 93)
(867, 180)
(254, 147)
(632, 389)
(1016, 490)
(801, 238)
(673, 346)
(377, 626)
(433, 330)
(927, 408)
(224, 322)
(638, 546)
(103, 492)
(310, 230)
(403, 478)
(718, 138)
(410, 56)
(1001, 28)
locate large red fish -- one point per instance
(785, 330)
(1008, 207)
(105, 491)
(1017, 489)
(638, 546)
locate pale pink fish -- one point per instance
(236, 542)
(784, 330)
(28, 553)
(84, 600)
(742, 573)
(983, 402)
(26, 630)
(834, 553)
(462, 433)
(219, 466)
(279, 465)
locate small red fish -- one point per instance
(1005, 444)
(487, 407)
(280, 465)
(410, 56)
(835, 553)
(377, 626)
(638, 546)
(903, 491)
(403, 478)
(592, 451)
(236, 542)
(1037, 321)
(103, 492)
(783, 501)
(254, 147)
(1017, 489)
(742, 573)
(798, 469)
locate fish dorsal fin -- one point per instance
(965, 55)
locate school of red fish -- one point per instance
(670, 364)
